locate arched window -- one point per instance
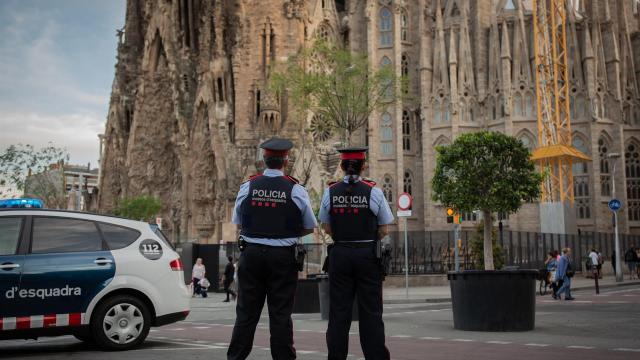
(406, 130)
(581, 183)
(386, 27)
(605, 175)
(408, 182)
(404, 25)
(405, 72)
(437, 113)
(632, 169)
(518, 110)
(527, 141)
(387, 188)
(386, 134)
(529, 104)
(388, 94)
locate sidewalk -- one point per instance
(438, 294)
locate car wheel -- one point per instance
(120, 323)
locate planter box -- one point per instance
(493, 300)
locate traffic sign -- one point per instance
(615, 204)
(404, 213)
(404, 202)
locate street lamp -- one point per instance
(618, 264)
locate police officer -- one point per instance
(272, 211)
(356, 214)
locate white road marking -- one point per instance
(581, 347)
(537, 345)
(430, 338)
(202, 327)
(306, 352)
(463, 340)
(498, 342)
(626, 349)
(401, 336)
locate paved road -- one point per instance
(592, 327)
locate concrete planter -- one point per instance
(493, 300)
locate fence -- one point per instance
(432, 252)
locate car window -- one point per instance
(58, 235)
(9, 235)
(156, 230)
(118, 237)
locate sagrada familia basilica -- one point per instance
(190, 101)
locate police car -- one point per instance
(102, 279)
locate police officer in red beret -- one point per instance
(273, 211)
(356, 214)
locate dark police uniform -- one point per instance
(272, 210)
(355, 208)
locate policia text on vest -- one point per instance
(272, 212)
(356, 214)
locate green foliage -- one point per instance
(17, 161)
(142, 208)
(476, 248)
(337, 85)
(486, 171)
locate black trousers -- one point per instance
(355, 271)
(265, 272)
(227, 288)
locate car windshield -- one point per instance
(156, 229)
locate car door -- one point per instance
(67, 266)
(11, 265)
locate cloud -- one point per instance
(77, 132)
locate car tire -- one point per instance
(120, 323)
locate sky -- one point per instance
(57, 62)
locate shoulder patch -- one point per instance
(369, 182)
(292, 179)
(253, 177)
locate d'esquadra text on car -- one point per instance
(102, 279)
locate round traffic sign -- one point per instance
(405, 201)
(615, 204)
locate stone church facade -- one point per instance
(190, 101)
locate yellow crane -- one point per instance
(555, 153)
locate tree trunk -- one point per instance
(488, 240)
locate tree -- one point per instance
(486, 171)
(142, 208)
(476, 247)
(35, 173)
(337, 86)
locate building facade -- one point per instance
(190, 101)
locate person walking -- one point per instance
(631, 258)
(594, 262)
(564, 274)
(551, 265)
(356, 215)
(273, 211)
(198, 273)
(229, 273)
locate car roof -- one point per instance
(74, 215)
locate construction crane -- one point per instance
(555, 153)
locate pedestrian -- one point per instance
(631, 258)
(551, 265)
(638, 263)
(229, 273)
(593, 263)
(273, 211)
(356, 215)
(564, 274)
(198, 273)
(600, 263)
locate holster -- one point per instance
(383, 253)
(301, 252)
(241, 244)
(325, 264)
